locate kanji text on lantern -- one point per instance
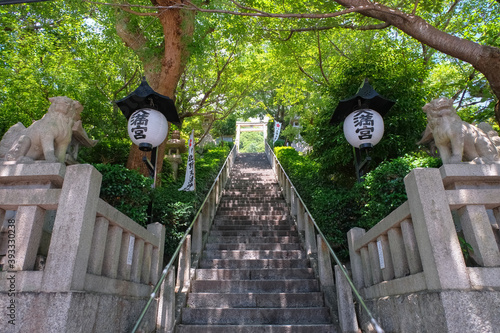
(139, 123)
(364, 123)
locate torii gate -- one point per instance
(250, 126)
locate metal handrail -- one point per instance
(378, 328)
(181, 243)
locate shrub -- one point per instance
(176, 209)
(336, 209)
(384, 188)
(126, 190)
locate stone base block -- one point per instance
(74, 312)
(431, 312)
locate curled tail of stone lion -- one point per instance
(10, 137)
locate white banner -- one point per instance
(277, 129)
(189, 181)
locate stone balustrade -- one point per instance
(53, 212)
(417, 247)
(413, 260)
(88, 244)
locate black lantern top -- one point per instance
(367, 98)
(145, 97)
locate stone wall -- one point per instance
(451, 311)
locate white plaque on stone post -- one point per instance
(380, 255)
(130, 254)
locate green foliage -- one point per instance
(466, 248)
(69, 49)
(251, 142)
(278, 143)
(176, 209)
(336, 209)
(126, 190)
(226, 127)
(302, 171)
(290, 133)
(383, 188)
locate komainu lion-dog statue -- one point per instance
(46, 139)
(456, 140)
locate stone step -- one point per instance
(254, 254)
(268, 316)
(243, 239)
(244, 212)
(254, 179)
(254, 233)
(254, 174)
(254, 274)
(226, 227)
(270, 218)
(257, 202)
(252, 246)
(251, 188)
(252, 300)
(252, 206)
(255, 286)
(312, 328)
(253, 194)
(266, 181)
(248, 222)
(254, 263)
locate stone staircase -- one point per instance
(254, 277)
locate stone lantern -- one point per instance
(207, 121)
(174, 148)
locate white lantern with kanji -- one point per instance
(147, 128)
(364, 128)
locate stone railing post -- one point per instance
(310, 237)
(137, 260)
(477, 232)
(324, 264)
(293, 202)
(99, 245)
(397, 246)
(356, 260)
(184, 267)
(158, 230)
(197, 235)
(300, 216)
(346, 311)
(205, 213)
(72, 234)
(216, 189)
(411, 247)
(166, 306)
(213, 204)
(29, 225)
(442, 259)
(287, 190)
(117, 246)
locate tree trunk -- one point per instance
(163, 75)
